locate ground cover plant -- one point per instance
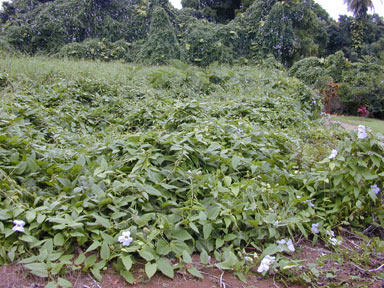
(115, 164)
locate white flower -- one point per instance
(290, 246)
(284, 242)
(125, 238)
(330, 233)
(361, 132)
(280, 243)
(315, 228)
(19, 225)
(265, 263)
(375, 189)
(333, 154)
(276, 224)
(335, 241)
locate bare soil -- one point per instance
(332, 273)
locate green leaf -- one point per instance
(162, 247)
(128, 276)
(241, 276)
(150, 269)
(227, 181)
(186, 257)
(193, 271)
(51, 284)
(64, 283)
(105, 252)
(213, 213)
(102, 221)
(207, 229)
(96, 273)
(90, 260)
(94, 245)
(165, 267)
(204, 258)
(38, 269)
(194, 227)
(58, 240)
(235, 162)
(372, 194)
(80, 259)
(145, 254)
(127, 261)
(30, 215)
(181, 234)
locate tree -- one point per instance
(221, 11)
(359, 8)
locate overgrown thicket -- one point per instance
(216, 161)
(346, 87)
(289, 30)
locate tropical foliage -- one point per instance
(119, 164)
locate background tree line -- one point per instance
(207, 31)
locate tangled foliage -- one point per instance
(162, 44)
(357, 84)
(99, 49)
(210, 161)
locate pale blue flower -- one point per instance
(19, 225)
(125, 238)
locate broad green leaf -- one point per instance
(96, 273)
(30, 216)
(193, 271)
(207, 229)
(105, 252)
(128, 276)
(162, 247)
(181, 234)
(186, 257)
(39, 269)
(58, 240)
(165, 267)
(150, 269)
(64, 283)
(127, 261)
(204, 258)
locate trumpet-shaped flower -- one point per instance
(266, 263)
(19, 225)
(361, 132)
(335, 241)
(375, 189)
(309, 202)
(125, 238)
(290, 245)
(333, 154)
(315, 228)
(330, 233)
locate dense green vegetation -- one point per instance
(205, 32)
(217, 161)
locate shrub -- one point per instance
(162, 44)
(205, 43)
(98, 49)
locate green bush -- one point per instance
(363, 85)
(161, 44)
(97, 49)
(205, 43)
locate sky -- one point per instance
(333, 7)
